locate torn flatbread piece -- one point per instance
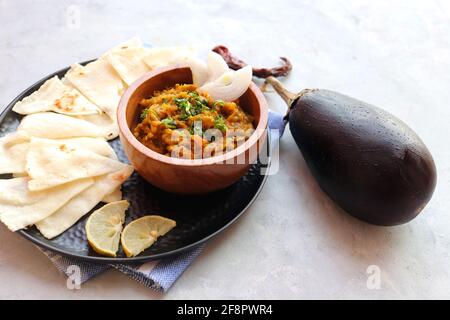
(58, 126)
(108, 125)
(96, 145)
(128, 63)
(99, 82)
(13, 149)
(99, 146)
(164, 56)
(133, 42)
(49, 164)
(81, 204)
(20, 207)
(114, 196)
(55, 96)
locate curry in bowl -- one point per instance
(183, 122)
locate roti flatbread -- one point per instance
(58, 126)
(99, 82)
(108, 125)
(49, 164)
(128, 63)
(96, 145)
(13, 149)
(133, 42)
(164, 56)
(115, 195)
(20, 207)
(55, 96)
(81, 204)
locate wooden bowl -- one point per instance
(186, 176)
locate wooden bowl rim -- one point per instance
(128, 135)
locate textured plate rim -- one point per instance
(137, 259)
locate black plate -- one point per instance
(198, 217)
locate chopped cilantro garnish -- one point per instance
(184, 115)
(144, 113)
(169, 123)
(195, 106)
(201, 104)
(198, 108)
(219, 103)
(203, 101)
(185, 107)
(219, 123)
(193, 94)
(182, 103)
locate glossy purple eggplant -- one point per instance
(365, 159)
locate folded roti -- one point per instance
(12, 192)
(56, 96)
(115, 195)
(96, 145)
(164, 56)
(99, 82)
(20, 207)
(99, 146)
(133, 42)
(13, 149)
(128, 63)
(49, 164)
(58, 126)
(107, 124)
(81, 204)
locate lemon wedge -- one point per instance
(104, 226)
(143, 232)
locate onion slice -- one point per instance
(216, 66)
(230, 85)
(199, 71)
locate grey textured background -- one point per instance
(293, 242)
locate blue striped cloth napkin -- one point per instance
(157, 275)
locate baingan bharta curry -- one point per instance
(183, 122)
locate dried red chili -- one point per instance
(235, 63)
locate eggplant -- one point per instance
(366, 160)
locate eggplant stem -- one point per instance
(286, 95)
